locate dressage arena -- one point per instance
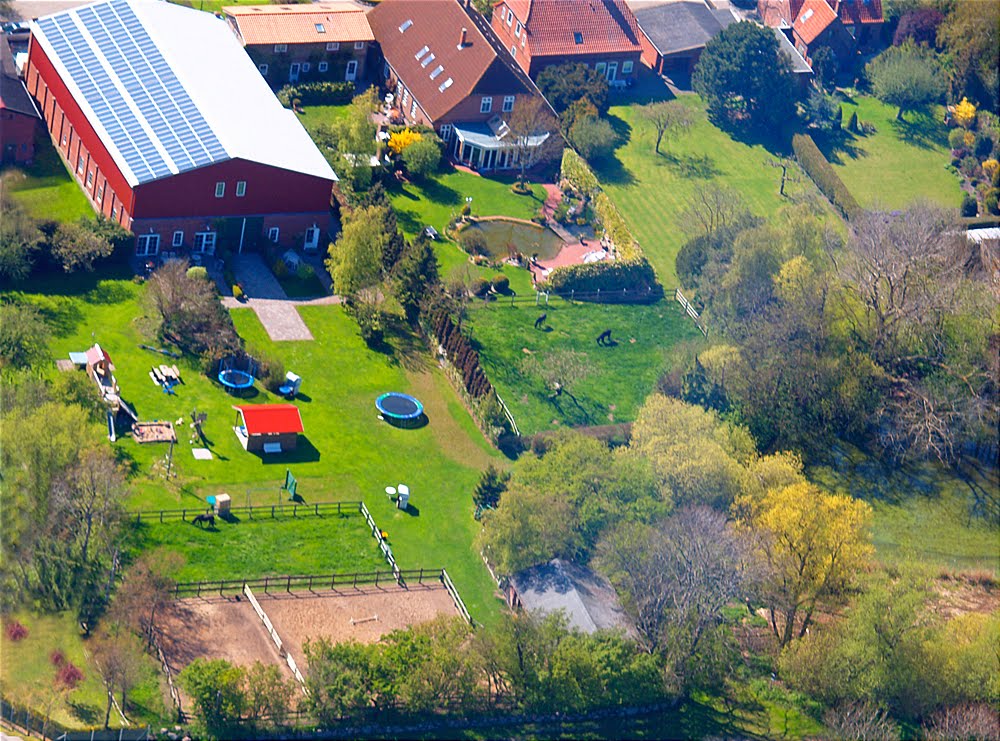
(228, 627)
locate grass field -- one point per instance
(923, 513)
(617, 379)
(296, 287)
(652, 190)
(902, 162)
(27, 675)
(46, 189)
(314, 116)
(249, 549)
(346, 452)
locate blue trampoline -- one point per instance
(399, 409)
(235, 381)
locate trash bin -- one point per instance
(403, 496)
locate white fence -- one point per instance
(691, 311)
(274, 636)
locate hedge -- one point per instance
(576, 170)
(614, 224)
(607, 282)
(822, 173)
(317, 93)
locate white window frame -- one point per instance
(359, 45)
(280, 48)
(90, 178)
(413, 109)
(147, 245)
(486, 104)
(323, 66)
(508, 103)
(517, 30)
(241, 188)
(262, 68)
(627, 67)
(320, 28)
(178, 239)
(510, 17)
(513, 50)
(220, 189)
(79, 163)
(100, 193)
(273, 234)
(351, 71)
(445, 132)
(309, 233)
(601, 68)
(333, 46)
(524, 39)
(306, 66)
(204, 243)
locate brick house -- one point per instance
(312, 42)
(674, 34)
(844, 26)
(19, 117)
(183, 159)
(445, 68)
(602, 34)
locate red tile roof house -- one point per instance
(599, 33)
(313, 42)
(845, 26)
(446, 69)
(171, 132)
(268, 428)
(19, 117)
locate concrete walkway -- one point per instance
(278, 313)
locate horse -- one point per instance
(201, 519)
(604, 338)
(540, 320)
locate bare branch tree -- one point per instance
(533, 134)
(560, 370)
(971, 720)
(859, 721)
(668, 118)
(712, 207)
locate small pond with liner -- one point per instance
(527, 238)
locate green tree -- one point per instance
(745, 79)
(356, 259)
(423, 157)
(24, 336)
(564, 84)
(354, 137)
(668, 119)
(970, 34)
(907, 76)
(19, 239)
(416, 274)
(492, 484)
(341, 678)
(77, 247)
(268, 694)
(216, 689)
(593, 137)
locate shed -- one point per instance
(587, 598)
(268, 428)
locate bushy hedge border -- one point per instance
(614, 224)
(822, 173)
(461, 354)
(317, 93)
(576, 170)
(608, 282)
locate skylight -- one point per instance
(807, 15)
(320, 28)
(445, 85)
(422, 52)
(437, 71)
(406, 24)
(578, 37)
(427, 60)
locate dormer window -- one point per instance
(406, 24)
(437, 71)
(578, 37)
(320, 28)
(423, 51)
(445, 85)
(427, 60)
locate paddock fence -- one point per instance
(690, 310)
(294, 509)
(299, 582)
(22, 720)
(175, 695)
(383, 545)
(275, 637)
(455, 597)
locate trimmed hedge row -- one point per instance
(461, 354)
(607, 282)
(822, 173)
(576, 170)
(317, 93)
(614, 224)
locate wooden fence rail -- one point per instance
(456, 598)
(691, 311)
(304, 582)
(295, 509)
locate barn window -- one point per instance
(79, 163)
(90, 178)
(204, 242)
(272, 234)
(220, 189)
(508, 103)
(333, 46)
(147, 244)
(241, 188)
(178, 239)
(323, 66)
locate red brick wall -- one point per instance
(17, 137)
(291, 230)
(538, 64)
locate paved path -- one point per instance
(278, 313)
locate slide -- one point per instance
(111, 427)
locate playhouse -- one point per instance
(268, 428)
(100, 368)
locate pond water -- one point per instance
(528, 239)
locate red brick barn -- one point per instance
(172, 133)
(19, 118)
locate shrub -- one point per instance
(15, 631)
(400, 140)
(238, 293)
(852, 124)
(618, 231)
(57, 658)
(270, 370)
(611, 282)
(965, 113)
(317, 93)
(501, 283)
(279, 268)
(823, 174)
(69, 676)
(578, 173)
(480, 286)
(305, 271)
(983, 146)
(197, 271)
(466, 209)
(423, 157)
(969, 205)
(473, 241)
(991, 203)
(969, 165)
(968, 139)
(956, 139)
(990, 167)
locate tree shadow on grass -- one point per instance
(86, 714)
(402, 346)
(611, 169)
(700, 167)
(922, 131)
(838, 146)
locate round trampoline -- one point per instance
(399, 409)
(235, 381)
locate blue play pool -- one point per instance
(235, 381)
(400, 409)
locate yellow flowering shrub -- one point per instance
(400, 140)
(965, 113)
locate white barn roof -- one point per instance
(169, 89)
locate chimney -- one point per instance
(465, 35)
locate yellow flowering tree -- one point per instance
(965, 113)
(400, 140)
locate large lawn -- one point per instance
(315, 116)
(46, 189)
(923, 513)
(27, 674)
(617, 378)
(902, 162)
(346, 452)
(652, 190)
